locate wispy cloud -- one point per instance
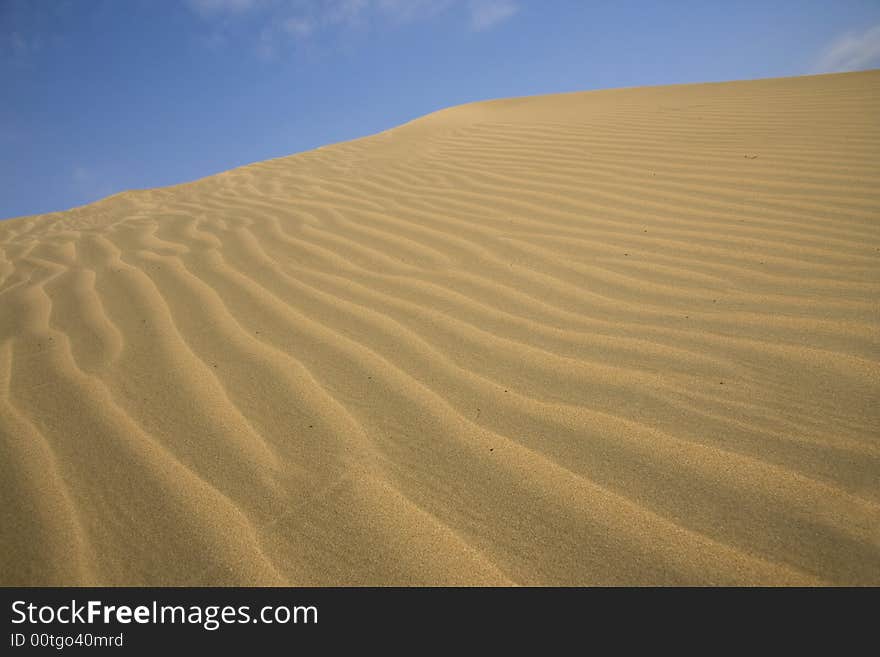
(299, 27)
(322, 12)
(486, 14)
(337, 12)
(209, 7)
(32, 30)
(404, 11)
(279, 21)
(854, 51)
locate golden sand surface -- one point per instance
(603, 338)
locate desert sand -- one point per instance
(604, 338)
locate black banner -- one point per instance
(113, 620)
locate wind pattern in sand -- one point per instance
(617, 337)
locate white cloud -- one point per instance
(409, 10)
(278, 20)
(854, 51)
(341, 11)
(207, 7)
(486, 14)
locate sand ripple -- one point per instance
(619, 337)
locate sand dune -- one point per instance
(615, 337)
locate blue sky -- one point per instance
(101, 96)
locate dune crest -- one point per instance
(614, 337)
